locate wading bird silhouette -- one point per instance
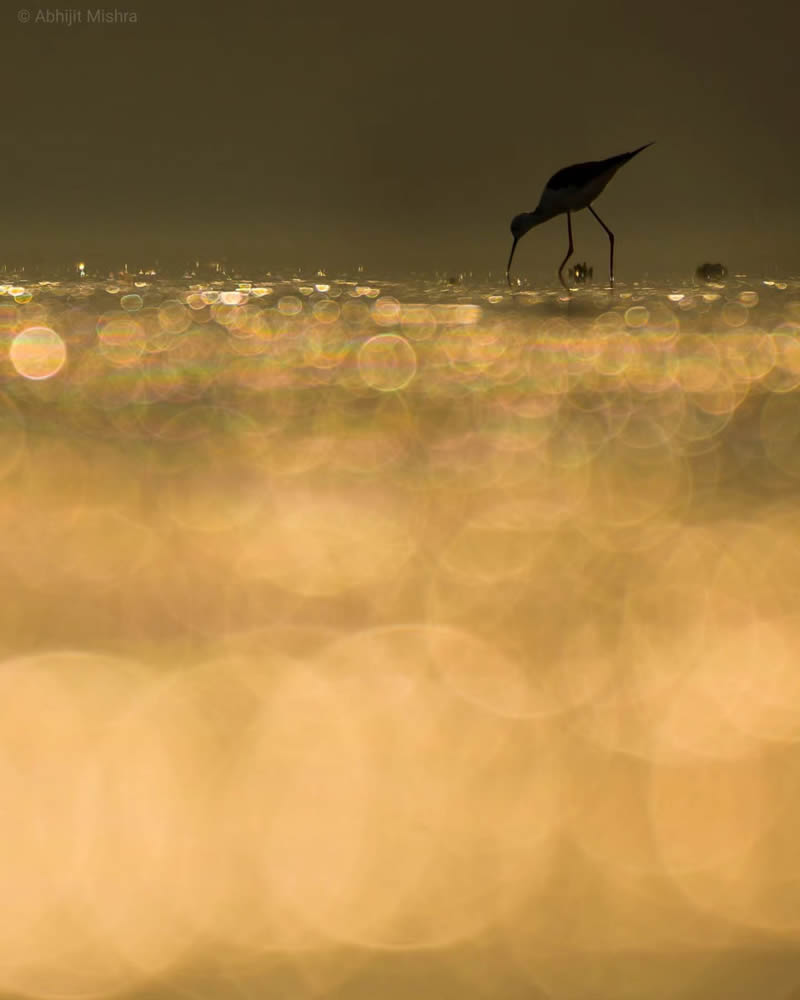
(570, 190)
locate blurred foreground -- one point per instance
(400, 641)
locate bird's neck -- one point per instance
(541, 214)
(533, 219)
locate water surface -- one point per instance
(391, 638)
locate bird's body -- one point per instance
(570, 190)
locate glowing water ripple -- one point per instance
(346, 624)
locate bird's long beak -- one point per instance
(510, 258)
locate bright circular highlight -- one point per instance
(38, 353)
(387, 362)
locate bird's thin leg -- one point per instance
(569, 253)
(611, 241)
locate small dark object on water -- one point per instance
(711, 272)
(581, 273)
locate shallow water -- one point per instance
(390, 638)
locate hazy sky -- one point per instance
(404, 137)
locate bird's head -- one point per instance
(520, 225)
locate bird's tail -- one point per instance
(630, 156)
(615, 162)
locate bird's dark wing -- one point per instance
(580, 174)
(576, 176)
